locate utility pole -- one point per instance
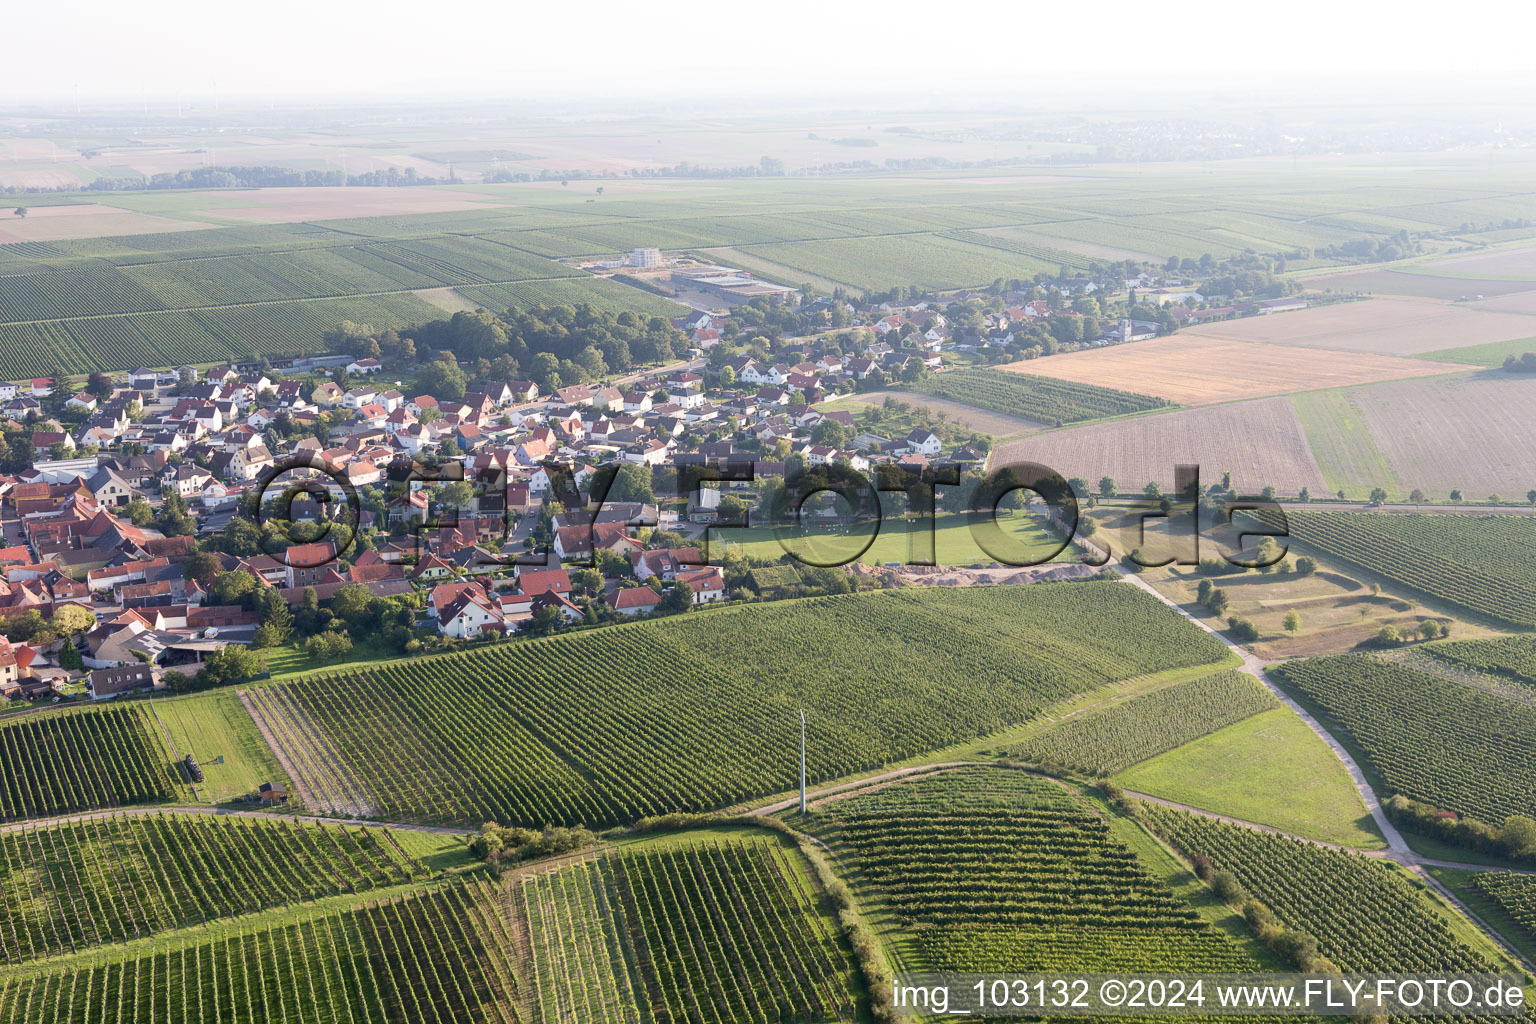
(802, 760)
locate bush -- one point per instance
(1228, 889)
(1243, 630)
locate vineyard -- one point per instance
(1432, 739)
(1128, 733)
(1483, 563)
(55, 764)
(1515, 895)
(702, 931)
(1366, 914)
(699, 712)
(992, 869)
(1512, 657)
(1035, 398)
(72, 886)
(442, 954)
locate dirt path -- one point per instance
(1255, 667)
(844, 788)
(301, 788)
(67, 819)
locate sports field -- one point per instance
(1200, 370)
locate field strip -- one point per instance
(299, 819)
(272, 302)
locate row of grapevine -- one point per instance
(214, 334)
(699, 931)
(439, 955)
(697, 712)
(1433, 739)
(1035, 398)
(1483, 563)
(1366, 914)
(991, 869)
(1512, 657)
(1132, 731)
(75, 761)
(1515, 895)
(67, 887)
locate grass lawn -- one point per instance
(291, 660)
(207, 725)
(1270, 769)
(1025, 537)
(437, 851)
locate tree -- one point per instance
(1456, 494)
(350, 604)
(203, 567)
(71, 620)
(458, 495)
(1429, 629)
(1292, 621)
(728, 379)
(1519, 835)
(442, 379)
(69, 657)
(1416, 496)
(676, 598)
(1306, 565)
(99, 385)
(186, 380)
(21, 212)
(141, 514)
(1218, 602)
(231, 587)
(1152, 490)
(1386, 636)
(1378, 496)
(230, 664)
(1107, 486)
(328, 645)
(173, 519)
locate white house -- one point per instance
(364, 366)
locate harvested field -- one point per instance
(1421, 286)
(1507, 263)
(1261, 443)
(290, 205)
(1191, 369)
(1385, 326)
(1519, 302)
(968, 416)
(84, 220)
(1475, 433)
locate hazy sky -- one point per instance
(389, 49)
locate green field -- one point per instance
(698, 712)
(1121, 735)
(1343, 445)
(1491, 354)
(1270, 769)
(217, 725)
(1024, 539)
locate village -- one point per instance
(142, 550)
